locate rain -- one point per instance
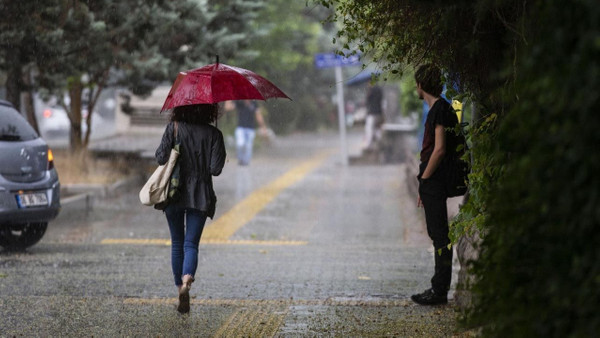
(288, 225)
(315, 145)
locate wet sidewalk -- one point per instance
(300, 246)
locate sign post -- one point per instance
(331, 60)
(341, 113)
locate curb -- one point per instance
(85, 194)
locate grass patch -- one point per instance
(86, 169)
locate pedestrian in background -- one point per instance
(432, 185)
(202, 155)
(249, 114)
(374, 119)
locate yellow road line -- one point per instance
(243, 212)
(219, 231)
(152, 241)
(263, 321)
(136, 241)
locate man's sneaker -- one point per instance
(430, 297)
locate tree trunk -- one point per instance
(29, 106)
(74, 113)
(92, 100)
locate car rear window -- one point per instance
(13, 127)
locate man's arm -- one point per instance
(439, 150)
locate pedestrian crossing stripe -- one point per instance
(167, 242)
(277, 303)
(264, 317)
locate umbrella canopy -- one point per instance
(219, 82)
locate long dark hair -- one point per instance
(196, 113)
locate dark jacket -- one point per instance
(202, 155)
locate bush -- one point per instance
(539, 271)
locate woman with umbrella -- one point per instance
(193, 99)
(202, 155)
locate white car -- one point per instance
(54, 122)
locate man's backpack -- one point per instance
(457, 169)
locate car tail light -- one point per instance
(50, 159)
(47, 113)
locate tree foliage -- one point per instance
(532, 68)
(288, 35)
(80, 47)
(20, 46)
(469, 39)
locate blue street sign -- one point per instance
(330, 60)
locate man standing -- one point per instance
(374, 119)
(432, 191)
(248, 115)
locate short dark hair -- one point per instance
(430, 78)
(196, 113)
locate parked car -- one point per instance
(29, 184)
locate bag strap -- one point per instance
(177, 145)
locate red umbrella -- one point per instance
(217, 83)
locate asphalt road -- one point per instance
(300, 246)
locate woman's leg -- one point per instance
(175, 217)
(195, 220)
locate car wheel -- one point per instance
(21, 236)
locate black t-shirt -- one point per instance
(443, 114)
(246, 114)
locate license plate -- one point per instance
(32, 200)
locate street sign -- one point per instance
(330, 60)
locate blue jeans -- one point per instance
(244, 140)
(185, 238)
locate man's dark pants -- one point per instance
(433, 196)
